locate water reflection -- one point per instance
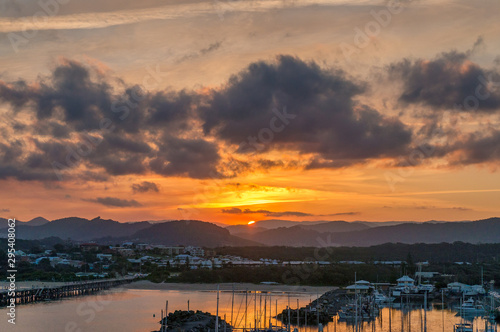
(133, 310)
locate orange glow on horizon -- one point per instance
(251, 222)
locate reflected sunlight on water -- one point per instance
(132, 310)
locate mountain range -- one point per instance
(173, 233)
(264, 232)
(340, 233)
(38, 221)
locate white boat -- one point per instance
(470, 308)
(380, 298)
(463, 327)
(423, 288)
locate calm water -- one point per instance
(132, 310)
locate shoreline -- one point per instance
(148, 285)
(279, 288)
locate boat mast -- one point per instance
(246, 308)
(356, 302)
(255, 312)
(298, 314)
(217, 312)
(288, 313)
(425, 312)
(232, 307)
(442, 307)
(265, 312)
(271, 311)
(166, 314)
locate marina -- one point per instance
(141, 309)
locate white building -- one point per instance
(360, 286)
(194, 251)
(458, 287)
(405, 281)
(108, 257)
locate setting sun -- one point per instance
(251, 222)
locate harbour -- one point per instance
(139, 310)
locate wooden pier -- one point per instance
(31, 295)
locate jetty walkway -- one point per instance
(43, 293)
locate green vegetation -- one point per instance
(434, 253)
(332, 275)
(441, 258)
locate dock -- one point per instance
(37, 294)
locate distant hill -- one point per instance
(199, 233)
(338, 226)
(185, 232)
(189, 232)
(276, 223)
(245, 229)
(295, 236)
(77, 229)
(38, 221)
(481, 231)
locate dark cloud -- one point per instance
(195, 158)
(476, 148)
(82, 97)
(115, 131)
(287, 104)
(204, 51)
(169, 109)
(235, 210)
(11, 151)
(449, 81)
(113, 201)
(53, 129)
(5, 210)
(323, 115)
(144, 187)
(268, 213)
(341, 214)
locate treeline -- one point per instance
(434, 253)
(290, 275)
(332, 275)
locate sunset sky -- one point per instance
(230, 111)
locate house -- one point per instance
(143, 246)
(351, 262)
(90, 246)
(393, 263)
(405, 285)
(194, 251)
(169, 251)
(405, 282)
(134, 261)
(360, 286)
(102, 257)
(69, 262)
(426, 275)
(183, 259)
(125, 251)
(457, 287)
